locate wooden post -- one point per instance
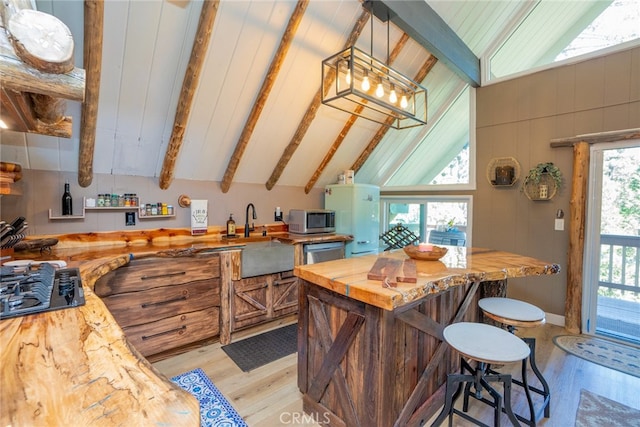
(573, 304)
(92, 62)
(45, 44)
(189, 85)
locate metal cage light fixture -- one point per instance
(358, 83)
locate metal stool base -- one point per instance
(545, 392)
(479, 378)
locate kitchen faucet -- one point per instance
(246, 222)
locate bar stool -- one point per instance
(486, 345)
(514, 313)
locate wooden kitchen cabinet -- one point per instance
(259, 299)
(162, 304)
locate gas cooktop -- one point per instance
(28, 289)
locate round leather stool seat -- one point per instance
(485, 343)
(512, 312)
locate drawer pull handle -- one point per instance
(169, 301)
(157, 276)
(148, 337)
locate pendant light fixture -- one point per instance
(379, 90)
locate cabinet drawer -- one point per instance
(174, 331)
(133, 308)
(140, 275)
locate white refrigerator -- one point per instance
(357, 208)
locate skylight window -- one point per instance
(551, 31)
(619, 23)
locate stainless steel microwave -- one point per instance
(309, 221)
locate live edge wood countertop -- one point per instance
(459, 266)
(75, 367)
(354, 334)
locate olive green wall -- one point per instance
(518, 118)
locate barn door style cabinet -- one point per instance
(259, 299)
(162, 304)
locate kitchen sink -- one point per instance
(259, 258)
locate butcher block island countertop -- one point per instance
(76, 367)
(458, 267)
(374, 356)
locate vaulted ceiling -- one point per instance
(248, 125)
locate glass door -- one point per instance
(611, 302)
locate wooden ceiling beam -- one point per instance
(37, 80)
(312, 109)
(382, 131)
(18, 77)
(264, 92)
(92, 62)
(189, 85)
(426, 27)
(350, 121)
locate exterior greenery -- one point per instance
(620, 216)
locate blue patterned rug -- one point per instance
(215, 410)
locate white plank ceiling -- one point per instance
(147, 45)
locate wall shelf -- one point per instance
(503, 171)
(92, 208)
(110, 208)
(64, 217)
(155, 216)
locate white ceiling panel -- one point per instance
(147, 46)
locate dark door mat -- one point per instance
(253, 352)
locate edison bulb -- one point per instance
(365, 83)
(393, 98)
(348, 76)
(403, 101)
(379, 91)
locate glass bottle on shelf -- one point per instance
(67, 201)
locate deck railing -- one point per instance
(620, 262)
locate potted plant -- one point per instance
(541, 169)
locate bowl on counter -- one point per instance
(434, 254)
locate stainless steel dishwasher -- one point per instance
(320, 252)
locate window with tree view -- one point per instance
(431, 218)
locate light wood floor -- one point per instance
(268, 396)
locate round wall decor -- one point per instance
(545, 189)
(503, 171)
